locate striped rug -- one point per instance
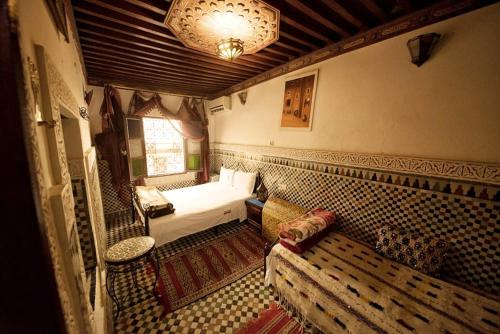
(201, 270)
(272, 321)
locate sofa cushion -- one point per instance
(278, 211)
(306, 226)
(423, 253)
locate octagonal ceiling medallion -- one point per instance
(204, 24)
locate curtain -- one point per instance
(194, 122)
(111, 143)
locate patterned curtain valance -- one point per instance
(191, 114)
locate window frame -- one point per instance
(145, 167)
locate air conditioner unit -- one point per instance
(219, 104)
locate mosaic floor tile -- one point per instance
(223, 311)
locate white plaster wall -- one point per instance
(36, 28)
(373, 100)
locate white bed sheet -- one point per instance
(198, 208)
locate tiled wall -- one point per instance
(110, 201)
(365, 198)
(112, 205)
(83, 224)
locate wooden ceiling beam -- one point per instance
(290, 47)
(134, 70)
(130, 10)
(270, 58)
(344, 13)
(95, 12)
(158, 45)
(279, 50)
(298, 40)
(127, 60)
(112, 73)
(305, 29)
(372, 6)
(105, 52)
(318, 17)
(141, 14)
(158, 6)
(141, 85)
(159, 71)
(405, 5)
(127, 48)
(89, 23)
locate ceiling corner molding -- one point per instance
(439, 12)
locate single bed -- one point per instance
(197, 208)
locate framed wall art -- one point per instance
(298, 101)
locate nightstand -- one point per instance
(254, 212)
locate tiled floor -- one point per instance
(223, 311)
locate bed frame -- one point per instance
(147, 210)
(136, 206)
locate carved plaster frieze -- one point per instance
(55, 93)
(76, 169)
(459, 170)
(48, 231)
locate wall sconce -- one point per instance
(421, 47)
(243, 97)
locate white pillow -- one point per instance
(226, 176)
(244, 181)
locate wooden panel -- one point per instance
(127, 41)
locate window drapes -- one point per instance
(111, 142)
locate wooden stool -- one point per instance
(127, 256)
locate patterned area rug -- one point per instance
(199, 271)
(223, 311)
(274, 320)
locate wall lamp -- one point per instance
(421, 47)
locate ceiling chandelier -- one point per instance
(226, 28)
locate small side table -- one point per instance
(254, 212)
(127, 256)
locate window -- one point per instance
(164, 146)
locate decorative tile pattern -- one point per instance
(221, 312)
(453, 177)
(177, 185)
(362, 205)
(83, 224)
(129, 249)
(111, 203)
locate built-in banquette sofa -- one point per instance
(344, 286)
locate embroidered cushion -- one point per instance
(425, 254)
(306, 226)
(301, 247)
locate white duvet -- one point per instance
(198, 208)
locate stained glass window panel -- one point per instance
(164, 146)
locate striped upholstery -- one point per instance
(341, 285)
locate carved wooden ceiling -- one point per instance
(127, 43)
